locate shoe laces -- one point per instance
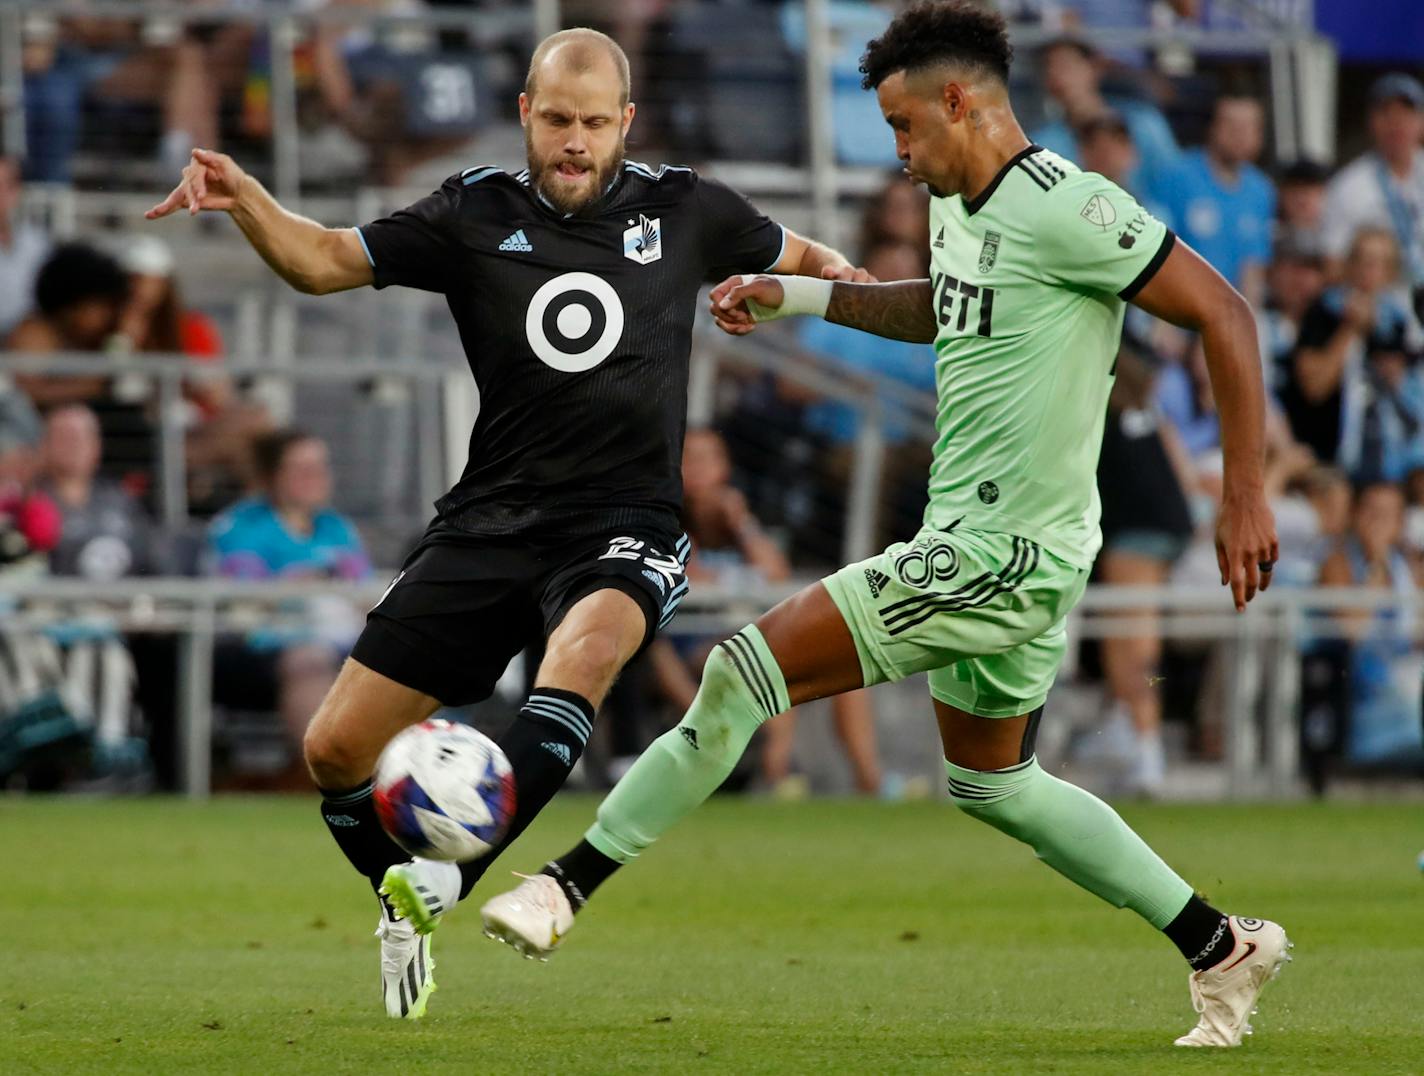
(1198, 999)
(536, 888)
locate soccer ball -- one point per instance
(444, 791)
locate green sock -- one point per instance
(1075, 833)
(742, 686)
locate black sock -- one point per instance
(1202, 934)
(580, 871)
(350, 814)
(542, 745)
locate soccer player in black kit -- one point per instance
(574, 287)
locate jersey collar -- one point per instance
(608, 191)
(973, 205)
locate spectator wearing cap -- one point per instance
(219, 426)
(1072, 76)
(1384, 187)
(1300, 190)
(23, 249)
(1221, 202)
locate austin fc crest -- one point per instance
(989, 252)
(642, 243)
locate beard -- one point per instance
(544, 179)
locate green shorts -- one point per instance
(981, 612)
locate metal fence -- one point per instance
(1260, 652)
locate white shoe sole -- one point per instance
(505, 933)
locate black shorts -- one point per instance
(463, 606)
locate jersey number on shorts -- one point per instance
(670, 568)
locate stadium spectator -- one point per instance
(899, 212)
(155, 317)
(1072, 76)
(1300, 205)
(1348, 370)
(288, 531)
(93, 77)
(80, 296)
(1183, 395)
(1294, 281)
(23, 249)
(1104, 145)
(29, 521)
(219, 426)
(1384, 673)
(1143, 480)
(1384, 187)
(835, 425)
(390, 89)
(730, 549)
(106, 535)
(1221, 202)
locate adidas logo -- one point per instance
(690, 735)
(517, 242)
(560, 751)
(877, 581)
(939, 239)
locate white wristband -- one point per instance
(801, 295)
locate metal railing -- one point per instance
(1263, 647)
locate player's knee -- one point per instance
(592, 656)
(331, 758)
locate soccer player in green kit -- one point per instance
(1032, 265)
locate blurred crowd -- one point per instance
(1330, 256)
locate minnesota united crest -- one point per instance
(643, 242)
(989, 252)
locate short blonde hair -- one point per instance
(584, 44)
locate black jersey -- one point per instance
(578, 330)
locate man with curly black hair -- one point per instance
(1032, 265)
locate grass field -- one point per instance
(154, 936)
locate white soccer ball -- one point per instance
(444, 791)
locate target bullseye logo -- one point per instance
(574, 322)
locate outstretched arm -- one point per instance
(1188, 292)
(806, 257)
(898, 311)
(312, 258)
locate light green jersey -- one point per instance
(1030, 281)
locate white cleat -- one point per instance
(1225, 995)
(533, 918)
(407, 970)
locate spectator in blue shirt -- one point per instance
(1072, 76)
(288, 531)
(1222, 203)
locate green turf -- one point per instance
(154, 936)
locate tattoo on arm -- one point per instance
(898, 311)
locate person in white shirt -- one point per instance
(23, 249)
(1385, 186)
